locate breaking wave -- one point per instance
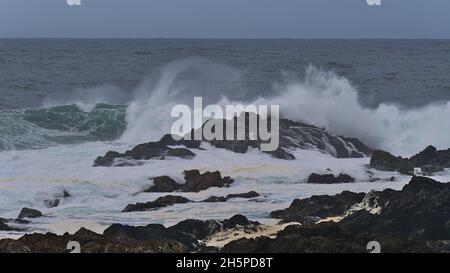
(321, 98)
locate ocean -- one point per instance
(66, 101)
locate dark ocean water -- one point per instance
(407, 72)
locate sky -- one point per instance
(225, 19)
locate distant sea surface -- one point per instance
(407, 72)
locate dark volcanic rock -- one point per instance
(293, 135)
(322, 238)
(163, 184)
(205, 181)
(330, 179)
(248, 195)
(318, 207)
(90, 242)
(420, 210)
(29, 213)
(384, 161)
(158, 203)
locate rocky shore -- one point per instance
(414, 219)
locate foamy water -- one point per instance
(99, 194)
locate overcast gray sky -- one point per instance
(226, 19)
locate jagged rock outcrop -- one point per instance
(420, 210)
(329, 179)
(292, 135)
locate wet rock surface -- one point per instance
(293, 135)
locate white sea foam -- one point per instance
(320, 98)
